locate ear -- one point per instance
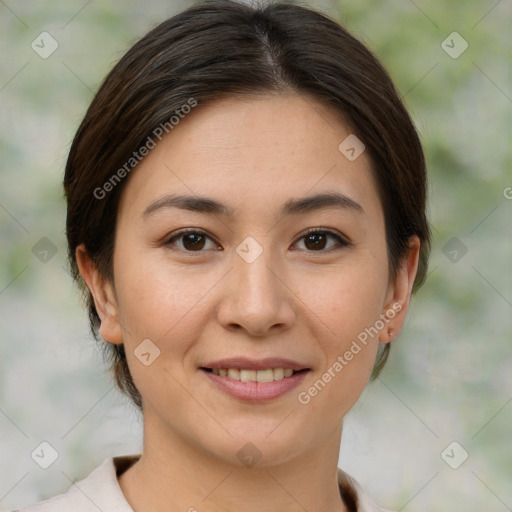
(103, 294)
(399, 293)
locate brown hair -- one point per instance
(220, 48)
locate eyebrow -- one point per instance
(291, 207)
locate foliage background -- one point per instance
(449, 377)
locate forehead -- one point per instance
(252, 153)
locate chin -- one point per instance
(257, 445)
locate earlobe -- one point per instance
(400, 292)
(103, 294)
(386, 335)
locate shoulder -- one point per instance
(351, 488)
(99, 490)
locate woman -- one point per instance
(246, 212)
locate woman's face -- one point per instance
(248, 282)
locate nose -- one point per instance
(256, 297)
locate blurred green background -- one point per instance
(449, 377)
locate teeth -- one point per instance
(279, 374)
(267, 375)
(234, 374)
(248, 375)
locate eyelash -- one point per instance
(341, 240)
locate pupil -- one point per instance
(193, 241)
(317, 243)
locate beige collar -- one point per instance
(353, 495)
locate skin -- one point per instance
(294, 301)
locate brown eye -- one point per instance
(191, 240)
(317, 240)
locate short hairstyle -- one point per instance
(222, 48)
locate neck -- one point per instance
(173, 474)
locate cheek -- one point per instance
(349, 304)
(166, 304)
(165, 309)
(350, 298)
(349, 344)
(154, 299)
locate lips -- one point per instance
(255, 380)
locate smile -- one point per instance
(254, 386)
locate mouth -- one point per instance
(255, 381)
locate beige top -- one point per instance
(101, 491)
